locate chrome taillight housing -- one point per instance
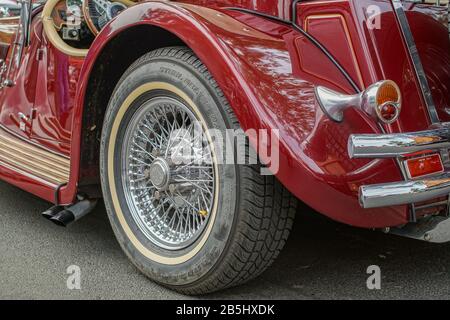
(381, 100)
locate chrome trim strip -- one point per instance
(397, 144)
(35, 161)
(31, 142)
(404, 192)
(417, 64)
(26, 174)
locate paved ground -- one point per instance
(322, 260)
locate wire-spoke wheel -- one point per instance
(185, 219)
(169, 183)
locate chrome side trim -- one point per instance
(399, 144)
(417, 63)
(35, 161)
(26, 174)
(31, 142)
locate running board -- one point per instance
(36, 161)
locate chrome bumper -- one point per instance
(397, 145)
(404, 192)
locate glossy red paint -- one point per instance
(268, 72)
(264, 78)
(280, 9)
(434, 51)
(27, 182)
(43, 86)
(55, 99)
(46, 81)
(20, 98)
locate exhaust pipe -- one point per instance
(48, 214)
(64, 216)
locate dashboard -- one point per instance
(79, 21)
(62, 11)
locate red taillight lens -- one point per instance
(389, 112)
(425, 165)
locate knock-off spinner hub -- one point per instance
(171, 203)
(159, 174)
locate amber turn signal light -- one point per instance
(425, 165)
(387, 92)
(388, 101)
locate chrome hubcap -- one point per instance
(159, 174)
(170, 178)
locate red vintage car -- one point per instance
(342, 104)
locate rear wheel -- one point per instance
(185, 219)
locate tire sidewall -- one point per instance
(201, 91)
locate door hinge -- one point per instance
(24, 122)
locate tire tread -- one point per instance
(266, 208)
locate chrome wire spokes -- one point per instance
(169, 177)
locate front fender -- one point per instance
(268, 73)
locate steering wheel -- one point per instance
(98, 12)
(52, 33)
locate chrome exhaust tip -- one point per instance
(64, 216)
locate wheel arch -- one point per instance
(263, 78)
(143, 27)
(106, 71)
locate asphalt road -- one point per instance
(322, 260)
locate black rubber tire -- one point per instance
(255, 212)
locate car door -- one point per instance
(9, 17)
(39, 103)
(18, 75)
(58, 76)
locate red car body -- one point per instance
(268, 71)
